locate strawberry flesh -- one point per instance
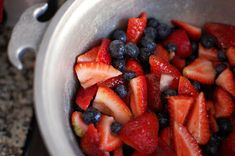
(78, 124)
(231, 56)
(161, 52)
(103, 53)
(209, 54)
(186, 88)
(133, 65)
(113, 82)
(178, 62)
(89, 56)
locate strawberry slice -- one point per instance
(179, 107)
(90, 73)
(137, 153)
(138, 95)
(108, 102)
(154, 94)
(185, 144)
(193, 32)
(178, 62)
(84, 96)
(90, 142)
(228, 146)
(113, 82)
(103, 53)
(163, 150)
(226, 81)
(222, 32)
(200, 70)
(141, 133)
(186, 88)
(209, 54)
(161, 52)
(133, 65)
(211, 116)
(108, 141)
(198, 123)
(166, 136)
(78, 124)
(181, 40)
(118, 152)
(224, 105)
(231, 56)
(135, 28)
(89, 56)
(166, 81)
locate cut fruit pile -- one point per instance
(158, 90)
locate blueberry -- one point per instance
(144, 54)
(213, 145)
(121, 90)
(148, 43)
(153, 22)
(119, 35)
(220, 68)
(117, 49)
(225, 126)
(190, 59)
(120, 64)
(116, 127)
(171, 47)
(91, 115)
(197, 85)
(128, 75)
(169, 92)
(150, 32)
(194, 47)
(163, 31)
(132, 50)
(127, 150)
(163, 120)
(208, 41)
(221, 55)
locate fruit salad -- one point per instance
(155, 89)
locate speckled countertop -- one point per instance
(16, 99)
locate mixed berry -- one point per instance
(158, 90)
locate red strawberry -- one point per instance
(231, 56)
(179, 63)
(181, 40)
(166, 136)
(141, 133)
(90, 73)
(186, 88)
(103, 53)
(210, 107)
(224, 105)
(211, 116)
(136, 153)
(90, 142)
(192, 31)
(179, 107)
(138, 95)
(163, 150)
(133, 65)
(89, 56)
(78, 124)
(108, 102)
(153, 86)
(198, 123)
(84, 96)
(161, 52)
(228, 146)
(167, 81)
(200, 70)
(226, 81)
(113, 82)
(118, 152)
(185, 144)
(209, 54)
(135, 28)
(223, 33)
(108, 141)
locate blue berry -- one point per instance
(197, 85)
(144, 54)
(91, 115)
(148, 43)
(208, 41)
(225, 126)
(152, 22)
(116, 127)
(169, 92)
(117, 49)
(163, 120)
(132, 50)
(163, 31)
(120, 64)
(150, 32)
(220, 68)
(121, 90)
(119, 35)
(213, 145)
(171, 47)
(194, 48)
(221, 55)
(128, 75)
(190, 59)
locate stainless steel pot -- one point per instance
(77, 26)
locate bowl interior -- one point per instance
(78, 26)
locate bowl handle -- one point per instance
(27, 34)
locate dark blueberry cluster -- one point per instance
(225, 126)
(163, 119)
(116, 127)
(121, 90)
(120, 64)
(171, 47)
(91, 115)
(213, 145)
(208, 41)
(220, 68)
(194, 53)
(221, 55)
(128, 75)
(197, 85)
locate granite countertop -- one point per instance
(16, 99)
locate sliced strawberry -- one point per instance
(231, 56)
(135, 28)
(198, 123)
(90, 142)
(138, 95)
(192, 31)
(181, 40)
(163, 150)
(133, 65)
(209, 54)
(226, 81)
(178, 62)
(228, 146)
(78, 124)
(210, 107)
(166, 136)
(186, 88)
(213, 124)
(108, 102)
(167, 81)
(179, 107)
(200, 70)
(141, 133)
(89, 56)
(161, 52)
(118, 152)
(113, 82)
(223, 33)
(153, 86)
(185, 144)
(137, 153)
(84, 96)
(108, 141)
(103, 53)
(90, 73)
(224, 105)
